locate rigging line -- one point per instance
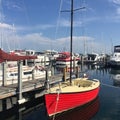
(74, 9)
(1, 21)
(80, 24)
(61, 2)
(56, 105)
(8, 44)
(83, 30)
(16, 41)
(58, 23)
(26, 12)
(1, 12)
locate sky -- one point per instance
(42, 25)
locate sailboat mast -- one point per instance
(71, 36)
(71, 40)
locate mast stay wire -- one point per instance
(61, 2)
(65, 45)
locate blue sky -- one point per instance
(39, 25)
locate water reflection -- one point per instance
(115, 74)
(32, 110)
(80, 113)
(35, 110)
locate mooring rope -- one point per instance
(58, 92)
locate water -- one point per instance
(105, 107)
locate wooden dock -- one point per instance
(32, 85)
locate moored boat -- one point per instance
(41, 57)
(70, 94)
(64, 96)
(28, 74)
(10, 73)
(64, 59)
(115, 58)
(85, 112)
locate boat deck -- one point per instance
(78, 85)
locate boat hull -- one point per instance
(85, 112)
(57, 103)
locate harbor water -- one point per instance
(105, 107)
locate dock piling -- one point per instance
(77, 72)
(4, 74)
(64, 73)
(52, 71)
(20, 98)
(46, 84)
(33, 74)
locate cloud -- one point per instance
(44, 26)
(6, 26)
(66, 23)
(36, 27)
(16, 5)
(115, 14)
(118, 11)
(36, 38)
(117, 2)
(37, 41)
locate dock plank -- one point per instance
(11, 90)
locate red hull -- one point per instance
(64, 101)
(65, 57)
(85, 112)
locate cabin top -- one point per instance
(117, 48)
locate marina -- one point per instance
(107, 104)
(63, 63)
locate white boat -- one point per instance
(11, 73)
(115, 58)
(42, 58)
(52, 54)
(95, 58)
(27, 74)
(64, 59)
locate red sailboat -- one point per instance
(86, 112)
(70, 94)
(65, 96)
